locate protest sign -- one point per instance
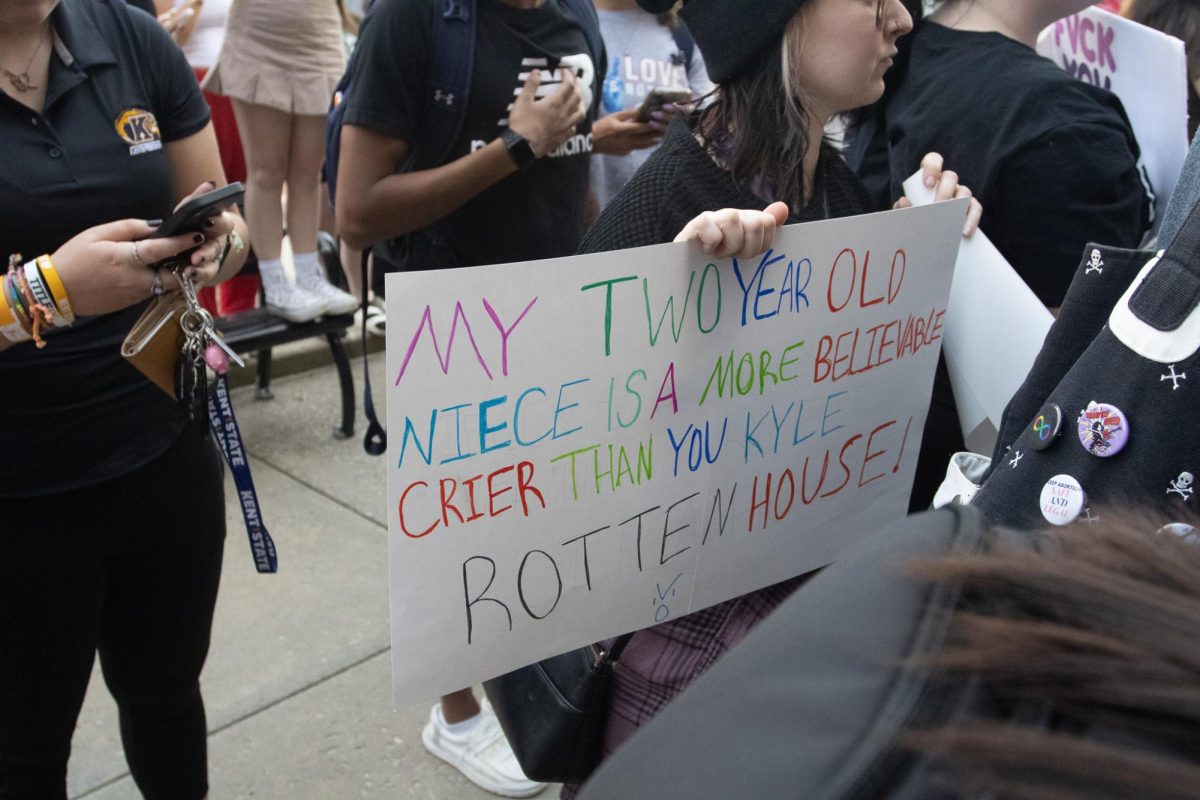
(586, 446)
(989, 303)
(1147, 70)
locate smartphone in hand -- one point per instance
(191, 216)
(657, 98)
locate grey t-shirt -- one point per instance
(642, 56)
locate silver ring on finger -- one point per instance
(137, 257)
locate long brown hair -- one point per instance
(1099, 629)
(758, 129)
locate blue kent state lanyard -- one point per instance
(225, 428)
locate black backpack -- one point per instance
(1127, 340)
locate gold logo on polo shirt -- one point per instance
(139, 129)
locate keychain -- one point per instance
(204, 349)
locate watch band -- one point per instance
(518, 148)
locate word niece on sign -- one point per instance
(587, 446)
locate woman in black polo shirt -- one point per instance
(113, 514)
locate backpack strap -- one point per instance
(685, 43)
(1167, 301)
(375, 439)
(333, 118)
(453, 60)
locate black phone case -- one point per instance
(190, 217)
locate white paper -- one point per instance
(995, 327)
(1146, 69)
(623, 461)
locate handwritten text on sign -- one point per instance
(586, 446)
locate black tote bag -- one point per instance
(1142, 361)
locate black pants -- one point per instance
(129, 567)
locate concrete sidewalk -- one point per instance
(298, 682)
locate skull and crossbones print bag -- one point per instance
(1110, 412)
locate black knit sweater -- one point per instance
(680, 181)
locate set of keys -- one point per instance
(203, 349)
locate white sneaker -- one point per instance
(481, 753)
(285, 299)
(376, 321)
(310, 278)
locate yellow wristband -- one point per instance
(55, 285)
(7, 317)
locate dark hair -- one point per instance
(1099, 628)
(759, 131)
(1181, 19)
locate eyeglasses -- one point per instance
(879, 4)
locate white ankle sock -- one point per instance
(306, 261)
(458, 727)
(270, 266)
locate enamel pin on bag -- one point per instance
(1108, 414)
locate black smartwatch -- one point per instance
(518, 148)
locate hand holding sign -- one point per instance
(735, 233)
(945, 186)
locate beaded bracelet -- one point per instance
(14, 320)
(10, 326)
(34, 299)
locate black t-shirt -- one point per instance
(75, 413)
(535, 213)
(1052, 159)
(144, 5)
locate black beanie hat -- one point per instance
(731, 34)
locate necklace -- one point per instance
(22, 81)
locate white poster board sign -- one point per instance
(586, 446)
(1147, 70)
(989, 303)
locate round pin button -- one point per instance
(1103, 429)
(1062, 500)
(1047, 426)
(1182, 530)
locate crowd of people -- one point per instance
(577, 126)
